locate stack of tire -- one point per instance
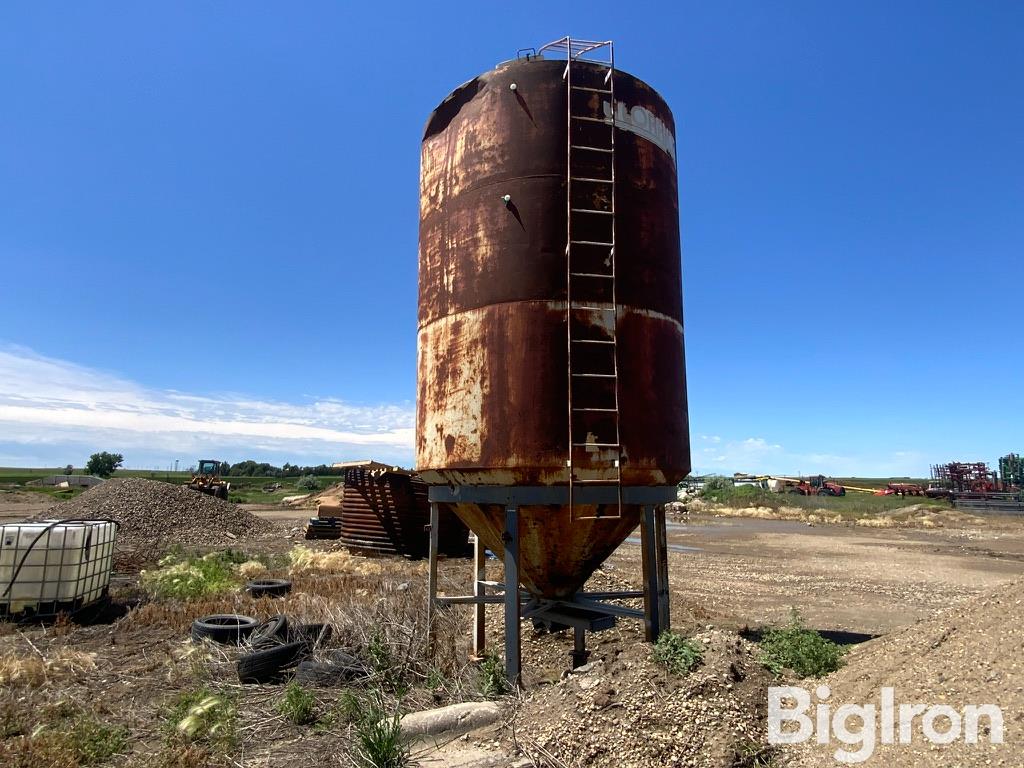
(275, 647)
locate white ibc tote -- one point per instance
(52, 566)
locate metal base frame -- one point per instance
(585, 610)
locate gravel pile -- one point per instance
(622, 710)
(152, 513)
(971, 654)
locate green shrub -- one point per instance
(677, 653)
(717, 488)
(802, 650)
(493, 682)
(297, 705)
(308, 483)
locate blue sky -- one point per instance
(208, 223)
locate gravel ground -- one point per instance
(155, 514)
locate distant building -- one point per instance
(68, 481)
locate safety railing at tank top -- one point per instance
(578, 50)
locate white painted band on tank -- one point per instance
(643, 123)
(561, 306)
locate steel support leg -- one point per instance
(513, 663)
(649, 561)
(432, 577)
(661, 540)
(579, 647)
(479, 615)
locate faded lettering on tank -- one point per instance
(643, 123)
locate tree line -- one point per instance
(104, 464)
(250, 468)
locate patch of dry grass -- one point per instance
(304, 560)
(34, 669)
(877, 522)
(251, 569)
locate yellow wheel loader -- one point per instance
(206, 479)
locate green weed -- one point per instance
(677, 653)
(347, 709)
(82, 742)
(205, 717)
(435, 679)
(379, 738)
(96, 742)
(298, 705)
(350, 706)
(192, 577)
(802, 650)
(751, 754)
(493, 682)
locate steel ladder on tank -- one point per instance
(595, 448)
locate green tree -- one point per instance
(103, 464)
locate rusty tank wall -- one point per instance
(492, 399)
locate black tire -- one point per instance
(224, 628)
(270, 633)
(269, 587)
(314, 634)
(269, 665)
(222, 492)
(328, 673)
(824, 492)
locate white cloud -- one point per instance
(757, 455)
(49, 405)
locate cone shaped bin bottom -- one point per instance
(557, 553)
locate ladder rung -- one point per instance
(591, 274)
(605, 482)
(593, 341)
(591, 149)
(592, 210)
(587, 178)
(594, 375)
(592, 308)
(598, 410)
(592, 90)
(589, 119)
(589, 242)
(596, 445)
